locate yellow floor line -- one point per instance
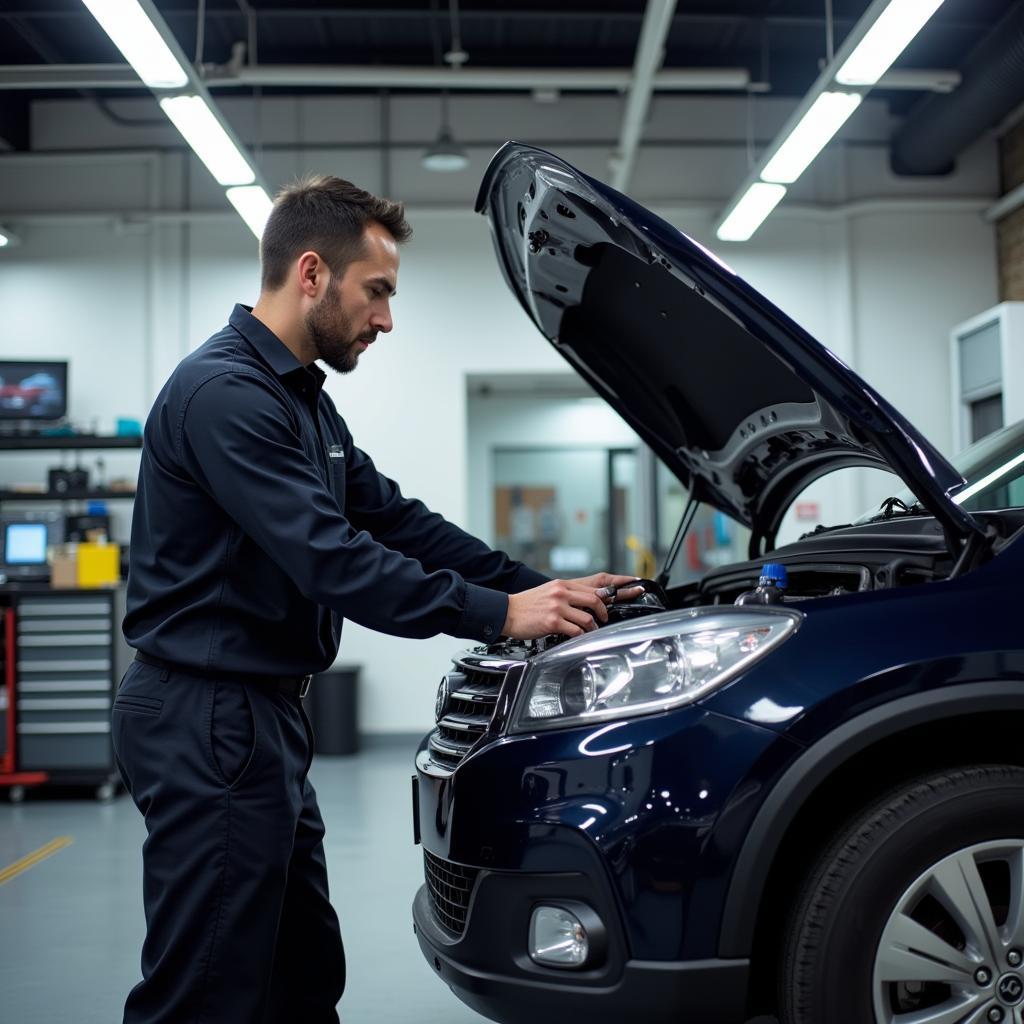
(32, 859)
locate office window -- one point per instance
(986, 416)
(981, 381)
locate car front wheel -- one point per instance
(915, 913)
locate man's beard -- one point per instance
(330, 330)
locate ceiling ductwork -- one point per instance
(940, 127)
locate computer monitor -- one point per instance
(33, 390)
(25, 544)
(24, 540)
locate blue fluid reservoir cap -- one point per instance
(773, 573)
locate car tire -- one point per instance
(892, 896)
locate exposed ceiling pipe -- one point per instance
(516, 79)
(326, 76)
(238, 74)
(1012, 201)
(923, 79)
(650, 52)
(940, 127)
(68, 76)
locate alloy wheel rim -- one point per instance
(952, 950)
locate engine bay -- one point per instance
(832, 562)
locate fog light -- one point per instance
(558, 938)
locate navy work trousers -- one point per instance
(239, 926)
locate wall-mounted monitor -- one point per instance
(33, 389)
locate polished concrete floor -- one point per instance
(71, 926)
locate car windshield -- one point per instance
(994, 470)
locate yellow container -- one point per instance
(99, 565)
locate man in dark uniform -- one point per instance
(258, 527)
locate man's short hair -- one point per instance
(327, 215)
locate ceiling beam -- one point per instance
(650, 52)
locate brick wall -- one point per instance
(1010, 230)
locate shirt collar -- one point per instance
(268, 345)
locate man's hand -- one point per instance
(571, 607)
(606, 585)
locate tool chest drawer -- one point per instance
(67, 649)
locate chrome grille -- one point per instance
(464, 710)
(450, 886)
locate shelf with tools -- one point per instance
(65, 442)
(67, 484)
(93, 495)
(77, 501)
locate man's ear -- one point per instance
(312, 271)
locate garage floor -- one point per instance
(71, 927)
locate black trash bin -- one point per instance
(332, 705)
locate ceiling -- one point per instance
(779, 45)
(780, 42)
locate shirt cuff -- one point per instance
(484, 614)
(527, 579)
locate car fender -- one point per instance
(812, 768)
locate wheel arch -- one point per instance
(815, 772)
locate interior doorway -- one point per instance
(555, 477)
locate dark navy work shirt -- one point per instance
(259, 525)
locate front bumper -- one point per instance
(621, 818)
(488, 967)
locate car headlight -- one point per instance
(646, 665)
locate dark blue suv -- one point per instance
(812, 807)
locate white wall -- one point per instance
(59, 300)
(880, 284)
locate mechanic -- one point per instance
(258, 527)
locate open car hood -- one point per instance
(741, 403)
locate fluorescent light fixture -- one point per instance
(749, 213)
(206, 135)
(140, 33)
(885, 41)
(869, 51)
(134, 34)
(825, 117)
(253, 206)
